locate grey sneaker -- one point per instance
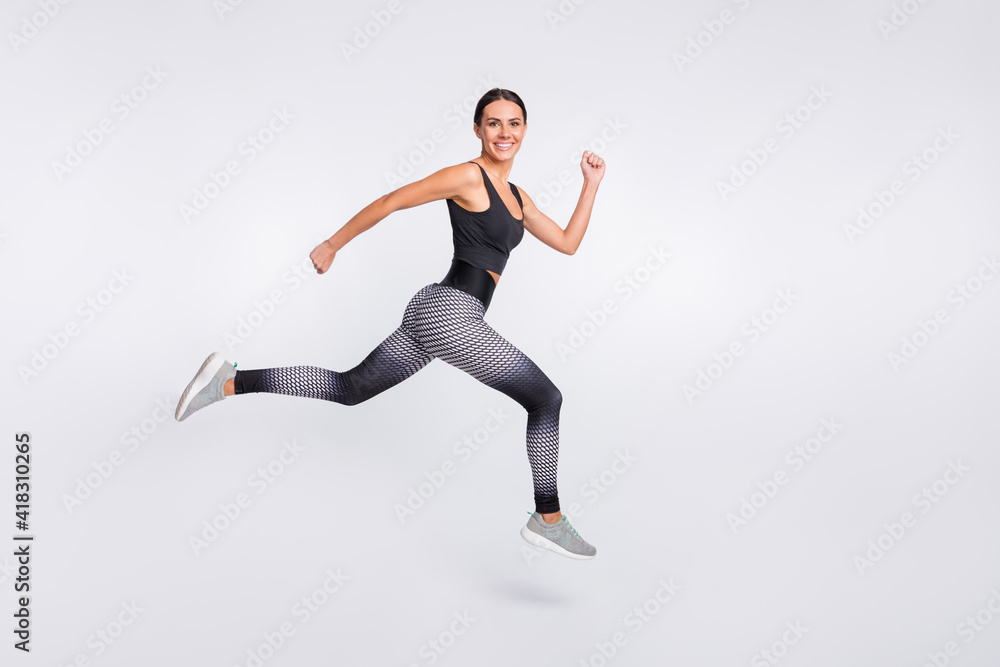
(559, 537)
(206, 387)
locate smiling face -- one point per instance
(501, 130)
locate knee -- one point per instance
(351, 399)
(350, 387)
(357, 392)
(549, 397)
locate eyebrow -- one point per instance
(494, 118)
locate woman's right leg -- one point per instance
(396, 358)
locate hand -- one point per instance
(322, 256)
(593, 167)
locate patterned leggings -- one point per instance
(439, 321)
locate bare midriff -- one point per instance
(496, 276)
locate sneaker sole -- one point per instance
(200, 381)
(537, 540)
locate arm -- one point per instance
(547, 231)
(442, 184)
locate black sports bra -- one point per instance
(485, 238)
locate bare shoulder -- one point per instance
(467, 181)
(468, 171)
(459, 178)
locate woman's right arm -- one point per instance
(442, 184)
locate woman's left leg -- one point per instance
(449, 324)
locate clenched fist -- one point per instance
(322, 256)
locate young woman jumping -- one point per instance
(445, 319)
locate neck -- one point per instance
(500, 170)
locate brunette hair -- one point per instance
(493, 95)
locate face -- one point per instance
(501, 129)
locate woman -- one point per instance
(445, 319)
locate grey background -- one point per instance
(681, 130)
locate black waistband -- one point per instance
(471, 280)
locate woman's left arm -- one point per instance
(543, 228)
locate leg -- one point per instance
(450, 325)
(396, 358)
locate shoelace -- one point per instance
(570, 526)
